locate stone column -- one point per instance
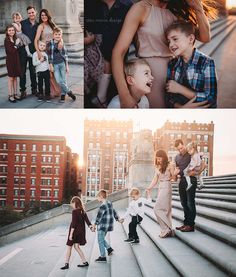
(66, 15)
(141, 166)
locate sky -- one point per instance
(70, 124)
(231, 3)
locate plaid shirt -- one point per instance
(50, 51)
(105, 217)
(198, 74)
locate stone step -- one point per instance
(220, 182)
(98, 268)
(227, 218)
(221, 177)
(219, 197)
(123, 262)
(215, 191)
(150, 259)
(213, 186)
(184, 258)
(210, 48)
(3, 71)
(231, 207)
(215, 229)
(209, 248)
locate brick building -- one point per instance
(106, 155)
(32, 170)
(202, 133)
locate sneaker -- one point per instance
(40, 97)
(62, 99)
(66, 266)
(110, 251)
(83, 265)
(101, 259)
(48, 98)
(135, 241)
(129, 240)
(71, 95)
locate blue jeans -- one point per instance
(103, 245)
(60, 76)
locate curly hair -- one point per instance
(50, 21)
(6, 32)
(162, 154)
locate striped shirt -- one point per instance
(199, 75)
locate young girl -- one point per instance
(76, 234)
(11, 44)
(17, 18)
(195, 165)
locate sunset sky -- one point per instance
(70, 125)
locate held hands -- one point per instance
(176, 171)
(92, 227)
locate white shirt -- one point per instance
(40, 66)
(136, 207)
(115, 103)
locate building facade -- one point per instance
(202, 133)
(106, 155)
(32, 170)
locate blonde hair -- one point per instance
(16, 14)
(191, 145)
(78, 203)
(134, 191)
(130, 66)
(102, 193)
(57, 30)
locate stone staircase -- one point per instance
(209, 251)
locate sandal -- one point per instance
(17, 97)
(11, 99)
(167, 235)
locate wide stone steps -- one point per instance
(207, 247)
(218, 191)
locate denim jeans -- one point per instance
(187, 199)
(103, 245)
(60, 76)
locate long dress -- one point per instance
(162, 208)
(152, 45)
(79, 218)
(46, 36)
(12, 59)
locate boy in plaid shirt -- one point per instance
(105, 223)
(191, 75)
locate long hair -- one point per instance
(162, 154)
(50, 21)
(6, 32)
(180, 8)
(78, 203)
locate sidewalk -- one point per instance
(75, 82)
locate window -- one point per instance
(34, 148)
(24, 147)
(90, 145)
(15, 203)
(17, 169)
(48, 182)
(16, 192)
(3, 203)
(57, 148)
(4, 146)
(198, 137)
(22, 192)
(16, 181)
(57, 160)
(3, 180)
(43, 170)
(22, 204)
(33, 169)
(3, 157)
(33, 159)
(50, 148)
(56, 182)
(56, 193)
(198, 148)
(3, 169)
(3, 191)
(44, 159)
(44, 148)
(50, 159)
(56, 171)
(17, 158)
(22, 181)
(205, 137)
(23, 170)
(48, 193)
(32, 193)
(33, 181)
(205, 149)
(23, 159)
(17, 147)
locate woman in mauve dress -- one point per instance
(45, 33)
(162, 209)
(147, 21)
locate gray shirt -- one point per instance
(182, 161)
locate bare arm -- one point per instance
(204, 34)
(37, 38)
(153, 183)
(130, 26)
(17, 27)
(191, 105)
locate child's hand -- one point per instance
(176, 171)
(42, 59)
(17, 41)
(173, 87)
(121, 220)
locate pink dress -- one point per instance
(152, 45)
(162, 208)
